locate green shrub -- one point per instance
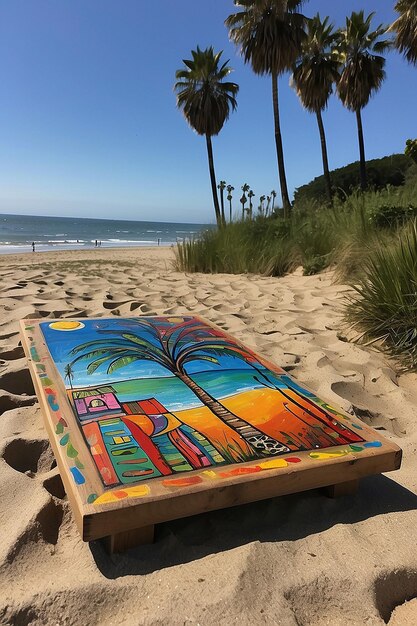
(384, 307)
(388, 216)
(315, 264)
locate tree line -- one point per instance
(274, 37)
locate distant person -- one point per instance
(99, 243)
(159, 241)
(33, 246)
(96, 244)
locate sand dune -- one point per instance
(296, 560)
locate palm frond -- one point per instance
(219, 347)
(363, 68)
(202, 94)
(269, 33)
(405, 29)
(145, 344)
(120, 362)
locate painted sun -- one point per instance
(66, 325)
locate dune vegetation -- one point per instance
(360, 220)
(369, 239)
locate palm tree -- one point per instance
(69, 374)
(173, 347)
(221, 187)
(269, 34)
(363, 73)
(261, 204)
(206, 101)
(250, 196)
(230, 188)
(274, 195)
(243, 200)
(268, 202)
(314, 75)
(245, 188)
(405, 28)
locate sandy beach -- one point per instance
(296, 560)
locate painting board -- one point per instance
(157, 418)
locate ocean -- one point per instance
(17, 232)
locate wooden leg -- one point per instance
(342, 489)
(120, 542)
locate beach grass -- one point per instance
(384, 305)
(258, 247)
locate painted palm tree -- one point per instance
(359, 49)
(405, 29)
(221, 187)
(69, 374)
(269, 34)
(173, 348)
(315, 73)
(230, 189)
(206, 101)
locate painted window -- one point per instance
(96, 403)
(124, 439)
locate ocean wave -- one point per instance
(128, 241)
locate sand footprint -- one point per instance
(29, 456)
(391, 590)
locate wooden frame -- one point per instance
(126, 513)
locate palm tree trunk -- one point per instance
(280, 151)
(329, 421)
(222, 205)
(213, 181)
(326, 171)
(253, 437)
(230, 211)
(364, 182)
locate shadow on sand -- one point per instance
(286, 518)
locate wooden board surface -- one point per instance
(157, 418)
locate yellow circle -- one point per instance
(67, 325)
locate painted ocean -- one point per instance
(17, 232)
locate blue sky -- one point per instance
(89, 125)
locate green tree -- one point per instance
(269, 34)
(206, 101)
(173, 348)
(313, 78)
(411, 149)
(359, 49)
(230, 189)
(405, 29)
(221, 187)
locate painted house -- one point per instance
(96, 403)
